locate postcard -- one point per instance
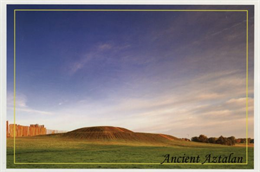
(137, 86)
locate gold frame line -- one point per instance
(14, 76)
(139, 10)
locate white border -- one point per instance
(3, 61)
(3, 88)
(256, 87)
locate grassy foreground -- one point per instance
(55, 149)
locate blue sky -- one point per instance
(178, 73)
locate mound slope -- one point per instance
(109, 133)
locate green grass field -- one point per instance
(56, 149)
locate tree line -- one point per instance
(220, 140)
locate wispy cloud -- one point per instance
(32, 111)
(79, 64)
(103, 52)
(209, 101)
(21, 105)
(104, 46)
(20, 100)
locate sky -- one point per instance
(177, 73)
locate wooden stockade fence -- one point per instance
(32, 130)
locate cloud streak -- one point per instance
(21, 105)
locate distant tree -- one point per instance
(195, 139)
(220, 140)
(232, 139)
(228, 142)
(252, 141)
(212, 139)
(203, 138)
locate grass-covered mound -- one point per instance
(109, 133)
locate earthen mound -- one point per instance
(109, 133)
